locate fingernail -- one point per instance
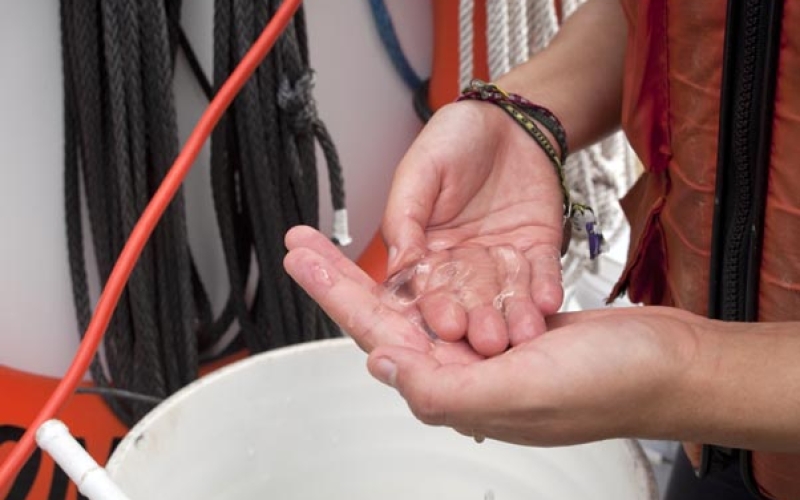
(392, 256)
(386, 371)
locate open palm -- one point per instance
(474, 179)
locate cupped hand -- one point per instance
(475, 179)
(359, 305)
(592, 375)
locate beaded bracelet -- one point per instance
(525, 112)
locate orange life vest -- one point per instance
(674, 81)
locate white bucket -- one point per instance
(308, 422)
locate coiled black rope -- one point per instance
(263, 170)
(120, 139)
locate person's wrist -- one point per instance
(529, 116)
(672, 410)
(493, 120)
(538, 121)
(524, 88)
(496, 122)
(490, 117)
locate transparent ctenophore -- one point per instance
(461, 291)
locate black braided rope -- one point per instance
(264, 173)
(120, 139)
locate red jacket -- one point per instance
(674, 81)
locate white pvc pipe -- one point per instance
(92, 480)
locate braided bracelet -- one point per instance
(483, 91)
(525, 112)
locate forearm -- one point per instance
(743, 388)
(579, 75)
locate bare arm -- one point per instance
(579, 75)
(743, 387)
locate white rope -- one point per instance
(466, 9)
(519, 49)
(542, 23)
(497, 38)
(568, 7)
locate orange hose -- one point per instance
(139, 235)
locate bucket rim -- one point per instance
(129, 440)
(644, 471)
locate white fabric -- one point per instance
(497, 38)
(466, 10)
(542, 23)
(519, 49)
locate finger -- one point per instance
(406, 371)
(525, 321)
(443, 314)
(415, 189)
(487, 331)
(308, 237)
(456, 395)
(472, 399)
(523, 318)
(546, 279)
(455, 352)
(477, 287)
(354, 306)
(438, 300)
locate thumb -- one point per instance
(409, 207)
(405, 242)
(429, 387)
(399, 367)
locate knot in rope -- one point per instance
(297, 100)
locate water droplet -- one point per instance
(321, 274)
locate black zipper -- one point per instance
(752, 38)
(747, 101)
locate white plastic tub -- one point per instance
(308, 422)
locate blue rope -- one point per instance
(383, 21)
